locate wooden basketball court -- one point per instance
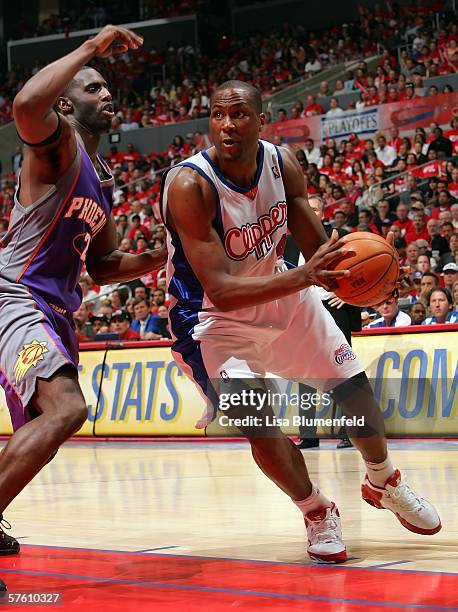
(159, 525)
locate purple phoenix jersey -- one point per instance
(40, 265)
(46, 243)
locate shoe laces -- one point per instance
(406, 499)
(324, 529)
(4, 524)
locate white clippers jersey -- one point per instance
(252, 227)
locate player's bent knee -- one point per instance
(60, 398)
(70, 416)
(75, 416)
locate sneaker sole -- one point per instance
(339, 557)
(405, 523)
(5, 552)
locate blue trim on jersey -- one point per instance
(187, 290)
(280, 159)
(191, 354)
(184, 316)
(230, 184)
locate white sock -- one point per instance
(315, 500)
(378, 473)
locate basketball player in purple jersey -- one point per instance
(237, 315)
(61, 218)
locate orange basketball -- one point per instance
(374, 267)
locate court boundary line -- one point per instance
(261, 561)
(147, 550)
(183, 587)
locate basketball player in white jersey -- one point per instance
(236, 315)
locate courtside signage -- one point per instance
(143, 392)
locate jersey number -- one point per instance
(81, 244)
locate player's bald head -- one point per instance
(250, 93)
(80, 76)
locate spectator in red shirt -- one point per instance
(312, 107)
(392, 95)
(158, 299)
(141, 244)
(410, 92)
(402, 221)
(352, 192)
(395, 140)
(131, 155)
(365, 217)
(337, 174)
(419, 228)
(182, 114)
(372, 98)
(79, 332)
(443, 203)
(452, 134)
(358, 145)
(351, 155)
(326, 168)
(120, 324)
(137, 226)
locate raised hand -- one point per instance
(114, 40)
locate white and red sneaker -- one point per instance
(414, 512)
(324, 532)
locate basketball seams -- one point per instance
(366, 288)
(366, 254)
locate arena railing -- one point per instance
(304, 86)
(156, 34)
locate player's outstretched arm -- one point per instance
(106, 264)
(33, 105)
(191, 212)
(302, 221)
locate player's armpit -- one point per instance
(303, 224)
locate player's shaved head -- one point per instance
(248, 90)
(68, 90)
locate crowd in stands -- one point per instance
(388, 182)
(421, 210)
(174, 84)
(394, 80)
(406, 185)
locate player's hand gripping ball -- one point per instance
(374, 266)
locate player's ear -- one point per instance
(64, 105)
(262, 120)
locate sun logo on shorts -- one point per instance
(30, 355)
